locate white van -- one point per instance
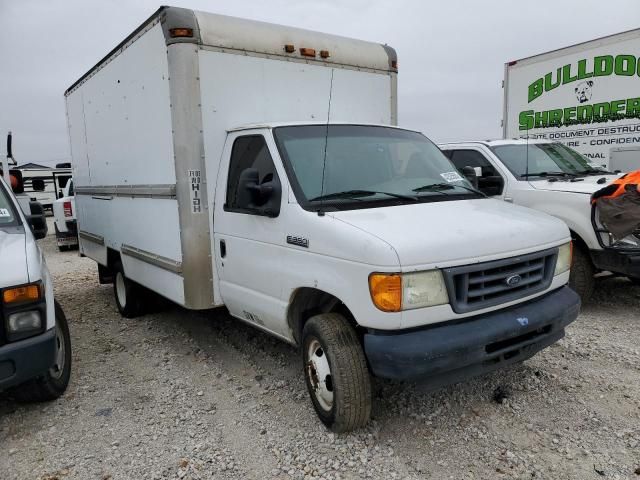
(555, 179)
(35, 347)
(254, 166)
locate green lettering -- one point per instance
(566, 75)
(526, 120)
(555, 117)
(602, 66)
(601, 110)
(541, 120)
(536, 89)
(569, 114)
(617, 106)
(625, 65)
(584, 113)
(548, 84)
(582, 70)
(633, 106)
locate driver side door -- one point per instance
(248, 240)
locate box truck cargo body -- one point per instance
(220, 161)
(586, 96)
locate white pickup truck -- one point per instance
(64, 216)
(224, 162)
(35, 348)
(555, 179)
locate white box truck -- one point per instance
(586, 96)
(226, 162)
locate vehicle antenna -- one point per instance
(5, 169)
(326, 140)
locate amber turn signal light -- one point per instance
(26, 293)
(180, 32)
(308, 52)
(289, 48)
(386, 291)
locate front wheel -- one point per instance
(336, 372)
(53, 383)
(581, 279)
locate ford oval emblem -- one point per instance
(513, 280)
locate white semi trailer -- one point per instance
(586, 96)
(226, 162)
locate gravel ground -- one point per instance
(186, 395)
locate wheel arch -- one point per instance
(307, 302)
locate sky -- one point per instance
(451, 54)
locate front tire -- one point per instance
(53, 383)
(581, 279)
(128, 294)
(336, 372)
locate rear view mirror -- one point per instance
(37, 220)
(262, 198)
(471, 175)
(37, 184)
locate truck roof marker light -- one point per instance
(386, 291)
(26, 293)
(324, 53)
(308, 52)
(181, 32)
(289, 48)
(512, 63)
(394, 64)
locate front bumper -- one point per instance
(26, 359)
(615, 260)
(473, 346)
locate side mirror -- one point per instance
(471, 175)
(37, 220)
(263, 198)
(37, 184)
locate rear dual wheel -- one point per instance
(336, 372)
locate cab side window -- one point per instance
(490, 182)
(253, 185)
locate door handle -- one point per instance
(223, 249)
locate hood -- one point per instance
(587, 185)
(13, 260)
(441, 234)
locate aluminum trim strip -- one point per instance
(145, 191)
(152, 258)
(92, 237)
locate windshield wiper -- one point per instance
(356, 194)
(446, 186)
(548, 174)
(595, 171)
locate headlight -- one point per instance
(563, 263)
(396, 292)
(24, 321)
(630, 241)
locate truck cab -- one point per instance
(555, 179)
(35, 347)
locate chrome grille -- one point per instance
(473, 287)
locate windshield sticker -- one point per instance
(4, 212)
(451, 176)
(594, 164)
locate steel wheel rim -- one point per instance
(318, 372)
(58, 367)
(121, 290)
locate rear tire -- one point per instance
(53, 383)
(63, 248)
(128, 294)
(336, 372)
(582, 272)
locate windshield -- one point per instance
(366, 166)
(7, 210)
(546, 159)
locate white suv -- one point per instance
(35, 347)
(553, 178)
